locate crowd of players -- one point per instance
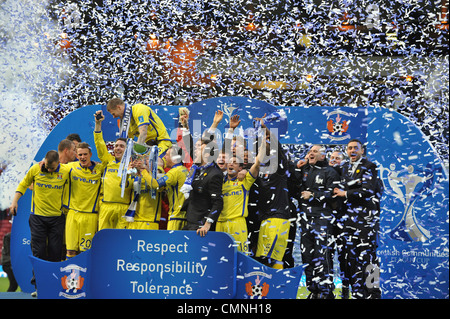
(252, 192)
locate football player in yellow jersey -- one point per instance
(235, 199)
(112, 205)
(82, 218)
(46, 218)
(172, 182)
(142, 122)
(148, 210)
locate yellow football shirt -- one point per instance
(148, 209)
(48, 189)
(143, 115)
(84, 186)
(176, 177)
(235, 197)
(172, 181)
(111, 182)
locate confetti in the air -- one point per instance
(57, 56)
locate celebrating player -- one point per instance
(139, 120)
(112, 206)
(232, 220)
(82, 217)
(273, 204)
(46, 218)
(172, 181)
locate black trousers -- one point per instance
(47, 236)
(360, 262)
(314, 244)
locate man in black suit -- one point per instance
(317, 182)
(204, 185)
(361, 222)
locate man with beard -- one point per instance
(361, 221)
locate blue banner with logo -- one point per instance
(202, 114)
(257, 281)
(326, 125)
(413, 237)
(293, 125)
(158, 264)
(140, 264)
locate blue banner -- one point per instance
(158, 264)
(140, 264)
(413, 239)
(257, 281)
(202, 114)
(293, 125)
(326, 125)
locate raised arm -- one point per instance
(100, 144)
(209, 134)
(254, 170)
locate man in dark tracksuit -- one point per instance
(361, 222)
(317, 182)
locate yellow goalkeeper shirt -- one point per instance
(48, 189)
(235, 197)
(111, 182)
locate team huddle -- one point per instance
(252, 192)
